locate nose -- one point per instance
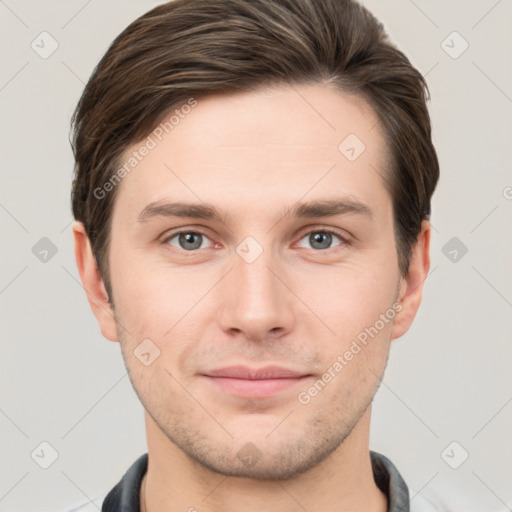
(256, 302)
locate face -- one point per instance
(253, 305)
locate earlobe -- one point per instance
(411, 286)
(93, 283)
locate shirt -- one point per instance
(125, 496)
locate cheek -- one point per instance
(150, 296)
(169, 306)
(359, 309)
(349, 299)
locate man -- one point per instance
(252, 195)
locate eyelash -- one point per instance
(344, 240)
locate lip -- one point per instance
(244, 372)
(246, 382)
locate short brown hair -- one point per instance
(194, 48)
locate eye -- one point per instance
(187, 240)
(321, 239)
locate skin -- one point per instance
(300, 304)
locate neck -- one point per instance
(343, 481)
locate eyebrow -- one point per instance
(161, 209)
(329, 208)
(312, 209)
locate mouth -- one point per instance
(246, 382)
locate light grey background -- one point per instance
(449, 379)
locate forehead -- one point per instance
(275, 144)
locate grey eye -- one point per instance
(321, 240)
(188, 240)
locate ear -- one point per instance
(93, 283)
(411, 286)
